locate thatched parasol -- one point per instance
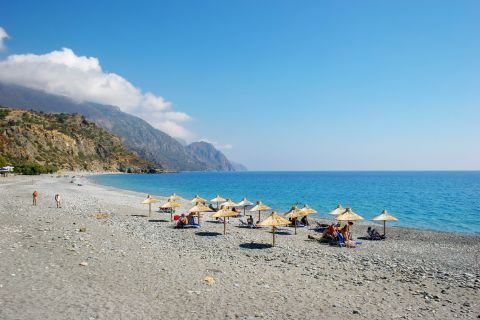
(224, 213)
(244, 203)
(198, 199)
(273, 220)
(229, 204)
(338, 210)
(174, 197)
(294, 213)
(149, 200)
(348, 215)
(199, 208)
(384, 216)
(217, 199)
(260, 207)
(170, 205)
(306, 210)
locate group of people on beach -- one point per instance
(57, 199)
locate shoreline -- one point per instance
(127, 265)
(364, 223)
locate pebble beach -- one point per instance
(101, 256)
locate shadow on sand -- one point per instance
(282, 233)
(208, 234)
(158, 220)
(139, 215)
(253, 245)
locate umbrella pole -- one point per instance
(244, 207)
(273, 233)
(295, 221)
(384, 227)
(198, 218)
(259, 215)
(224, 226)
(149, 209)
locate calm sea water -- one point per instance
(448, 201)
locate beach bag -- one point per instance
(176, 217)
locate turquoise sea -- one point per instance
(447, 201)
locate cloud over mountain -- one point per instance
(81, 78)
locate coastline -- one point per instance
(363, 223)
(139, 267)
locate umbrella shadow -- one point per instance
(255, 246)
(282, 233)
(207, 234)
(139, 215)
(158, 220)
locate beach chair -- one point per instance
(246, 225)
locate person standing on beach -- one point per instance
(57, 200)
(35, 197)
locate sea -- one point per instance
(444, 201)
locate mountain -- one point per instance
(138, 136)
(238, 166)
(206, 153)
(47, 142)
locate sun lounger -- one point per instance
(246, 225)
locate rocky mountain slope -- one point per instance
(62, 141)
(138, 136)
(206, 153)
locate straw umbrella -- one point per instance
(198, 208)
(217, 199)
(273, 220)
(337, 211)
(306, 210)
(224, 212)
(384, 216)
(174, 197)
(260, 207)
(348, 215)
(294, 213)
(170, 205)
(149, 200)
(229, 204)
(244, 203)
(197, 199)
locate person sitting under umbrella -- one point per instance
(304, 221)
(373, 234)
(250, 221)
(182, 222)
(191, 220)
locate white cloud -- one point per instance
(3, 36)
(82, 79)
(217, 145)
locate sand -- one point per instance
(69, 263)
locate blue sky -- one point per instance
(290, 85)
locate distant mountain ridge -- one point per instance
(138, 136)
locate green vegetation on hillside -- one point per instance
(36, 143)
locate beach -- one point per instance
(101, 257)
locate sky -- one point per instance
(276, 85)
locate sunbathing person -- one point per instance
(374, 234)
(329, 234)
(182, 222)
(250, 221)
(304, 221)
(191, 219)
(346, 231)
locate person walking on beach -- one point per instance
(35, 197)
(57, 200)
